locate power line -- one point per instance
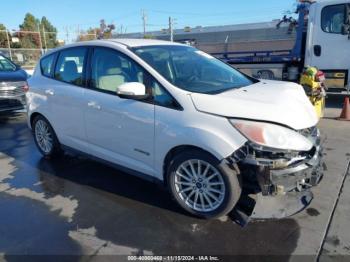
(212, 14)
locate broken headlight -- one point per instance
(272, 136)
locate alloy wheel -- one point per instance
(199, 185)
(43, 136)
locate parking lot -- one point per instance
(80, 208)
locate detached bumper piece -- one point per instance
(259, 207)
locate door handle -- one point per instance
(94, 105)
(317, 50)
(49, 92)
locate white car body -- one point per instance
(140, 135)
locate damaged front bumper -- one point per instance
(281, 175)
(274, 172)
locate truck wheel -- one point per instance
(45, 138)
(202, 186)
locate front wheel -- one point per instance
(202, 186)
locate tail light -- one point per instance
(26, 88)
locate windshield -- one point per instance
(191, 69)
(6, 65)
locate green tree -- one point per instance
(148, 36)
(50, 38)
(3, 37)
(32, 25)
(30, 39)
(103, 32)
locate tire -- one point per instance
(43, 131)
(187, 190)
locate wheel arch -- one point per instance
(176, 150)
(34, 115)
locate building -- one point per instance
(232, 38)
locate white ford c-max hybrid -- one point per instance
(177, 115)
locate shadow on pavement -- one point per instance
(125, 213)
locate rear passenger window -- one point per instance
(46, 65)
(70, 66)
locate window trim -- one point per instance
(151, 101)
(322, 13)
(84, 65)
(177, 106)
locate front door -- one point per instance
(118, 130)
(328, 48)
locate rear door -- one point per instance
(66, 97)
(329, 49)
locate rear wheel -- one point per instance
(201, 185)
(45, 138)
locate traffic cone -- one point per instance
(345, 114)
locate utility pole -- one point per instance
(95, 32)
(144, 21)
(44, 37)
(40, 42)
(67, 34)
(78, 31)
(8, 43)
(171, 29)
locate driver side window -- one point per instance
(111, 69)
(333, 18)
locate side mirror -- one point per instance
(132, 90)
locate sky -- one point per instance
(73, 15)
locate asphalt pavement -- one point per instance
(84, 210)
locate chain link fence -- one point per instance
(26, 47)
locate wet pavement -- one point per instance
(77, 207)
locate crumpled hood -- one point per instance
(272, 101)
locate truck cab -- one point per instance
(328, 41)
(319, 37)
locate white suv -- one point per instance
(177, 115)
